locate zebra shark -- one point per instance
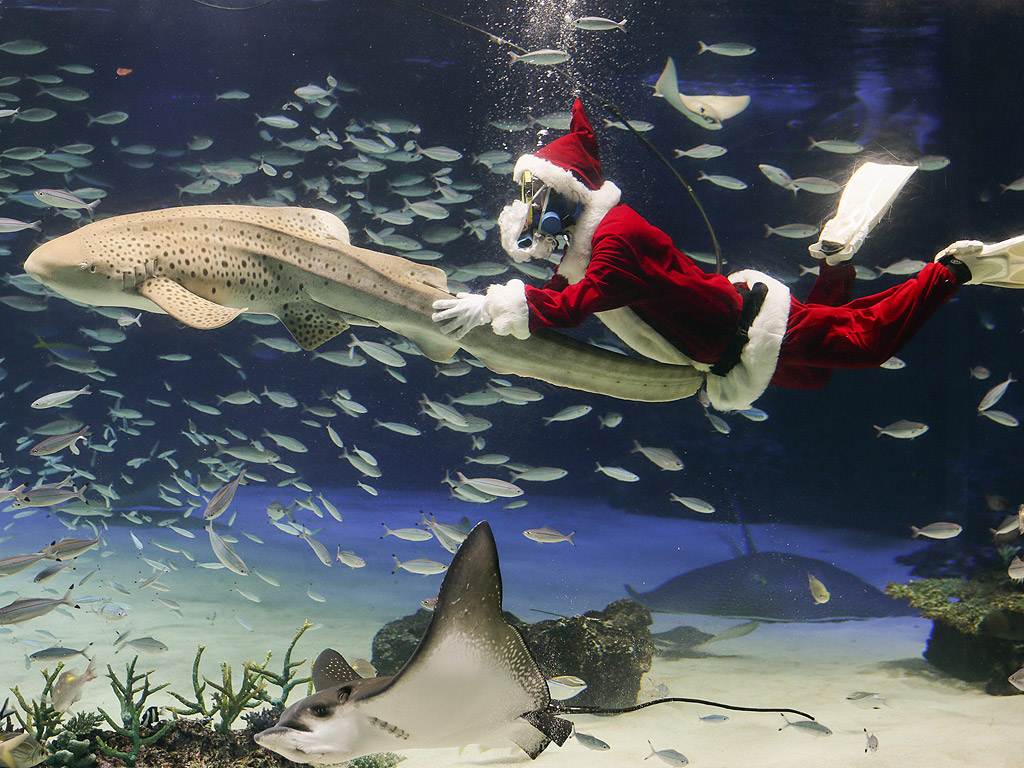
(205, 265)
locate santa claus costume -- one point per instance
(745, 330)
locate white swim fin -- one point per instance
(866, 197)
(999, 264)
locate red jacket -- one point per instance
(634, 263)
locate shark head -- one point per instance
(72, 267)
(471, 680)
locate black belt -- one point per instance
(753, 299)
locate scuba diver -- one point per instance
(744, 330)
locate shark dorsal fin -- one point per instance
(330, 669)
(186, 307)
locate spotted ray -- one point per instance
(471, 680)
(205, 265)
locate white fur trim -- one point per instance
(511, 222)
(510, 314)
(577, 256)
(560, 179)
(596, 203)
(748, 380)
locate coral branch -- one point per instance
(132, 696)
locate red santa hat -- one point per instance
(571, 163)
(571, 166)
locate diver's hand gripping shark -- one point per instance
(205, 265)
(471, 680)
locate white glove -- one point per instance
(462, 314)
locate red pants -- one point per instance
(831, 331)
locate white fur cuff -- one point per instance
(739, 388)
(510, 314)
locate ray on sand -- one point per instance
(471, 680)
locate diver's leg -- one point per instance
(865, 332)
(834, 284)
(998, 264)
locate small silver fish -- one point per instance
(542, 57)
(225, 554)
(702, 151)
(1000, 417)
(569, 413)
(147, 644)
(350, 558)
(866, 700)
(993, 395)
(902, 430)
(68, 549)
(727, 49)
(599, 24)
(618, 473)
(491, 486)
(590, 742)
(692, 502)
(872, 742)
(49, 572)
(28, 608)
(221, 500)
(57, 653)
(61, 198)
(936, 530)
(421, 566)
(663, 458)
(808, 726)
(546, 535)
(723, 181)
(733, 632)
(670, 756)
(837, 146)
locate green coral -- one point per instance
(225, 700)
(960, 603)
(198, 705)
(231, 703)
(286, 680)
(82, 723)
(66, 751)
(132, 695)
(41, 720)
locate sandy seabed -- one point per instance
(928, 719)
